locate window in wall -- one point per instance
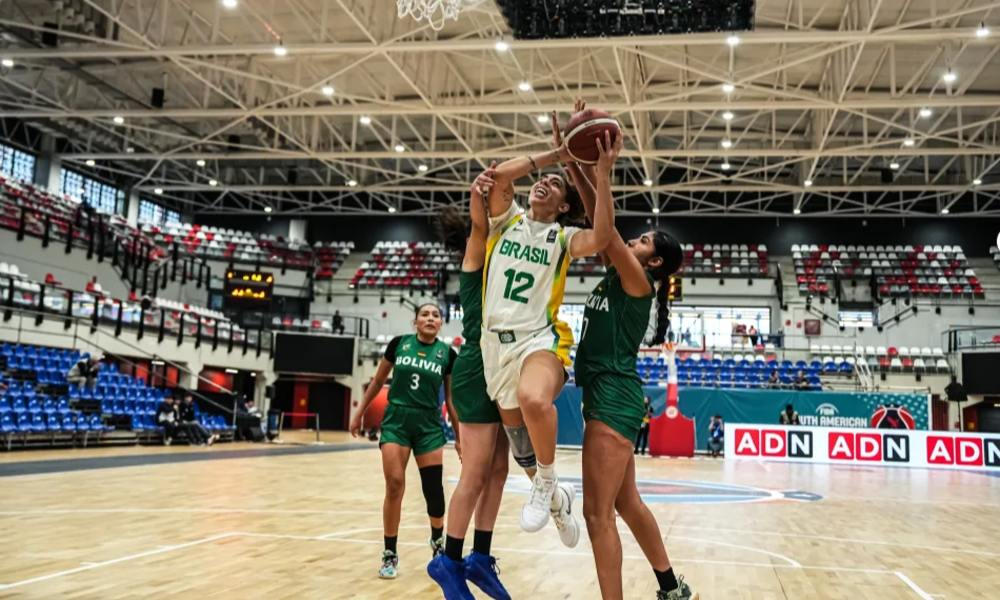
(726, 325)
(103, 197)
(853, 318)
(153, 213)
(17, 164)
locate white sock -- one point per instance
(547, 471)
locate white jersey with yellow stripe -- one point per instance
(525, 275)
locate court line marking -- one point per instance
(916, 588)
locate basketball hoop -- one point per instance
(422, 10)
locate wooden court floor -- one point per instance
(309, 526)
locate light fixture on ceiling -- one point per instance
(400, 148)
(213, 182)
(129, 150)
(229, 3)
(268, 209)
(7, 63)
(726, 166)
(91, 163)
(422, 168)
(524, 86)
(977, 181)
(118, 120)
(543, 118)
(982, 31)
(366, 120)
(200, 163)
(909, 142)
(949, 76)
(807, 182)
(280, 49)
(926, 112)
(647, 182)
(733, 40)
(797, 211)
(728, 88)
(944, 211)
(727, 143)
(158, 191)
(728, 116)
(501, 46)
(894, 166)
(392, 209)
(352, 183)
(327, 90)
(656, 210)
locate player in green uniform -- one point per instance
(419, 364)
(484, 445)
(614, 322)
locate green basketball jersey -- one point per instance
(614, 324)
(417, 371)
(470, 293)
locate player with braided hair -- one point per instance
(614, 322)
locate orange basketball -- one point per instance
(583, 131)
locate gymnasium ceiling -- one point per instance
(826, 106)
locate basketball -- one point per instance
(583, 131)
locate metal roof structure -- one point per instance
(837, 107)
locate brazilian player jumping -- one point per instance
(614, 322)
(419, 364)
(484, 445)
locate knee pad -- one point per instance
(520, 446)
(433, 488)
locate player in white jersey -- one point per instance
(525, 345)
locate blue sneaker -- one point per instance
(450, 575)
(482, 570)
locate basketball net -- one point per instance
(426, 10)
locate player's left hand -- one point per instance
(458, 450)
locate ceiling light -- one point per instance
(727, 116)
(366, 120)
(327, 90)
(977, 181)
(352, 183)
(200, 163)
(7, 63)
(894, 165)
(733, 40)
(648, 182)
(728, 87)
(280, 49)
(726, 166)
(524, 86)
(926, 112)
(950, 76)
(944, 211)
(797, 211)
(158, 191)
(656, 210)
(501, 46)
(422, 168)
(543, 118)
(213, 182)
(91, 163)
(908, 142)
(129, 150)
(268, 209)
(727, 143)
(982, 31)
(807, 182)
(400, 148)
(119, 120)
(392, 209)
(229, 3)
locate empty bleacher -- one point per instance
(406, 265)
(218, 243)
(725, 260)
(330, 256)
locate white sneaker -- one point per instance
(535, 513)
(563, 517)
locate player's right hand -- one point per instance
(355, 428)
(485, 181)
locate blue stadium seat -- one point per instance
(49, 406)
(4, 405)
(128, 406)
(7, 420)
(24, 422)
(107, 407)
(38, 422)
(81, 423)
(53, 422)
(118, 407)
(17, 403)
(62, 406)
(69, 421)
(845, 367)
(34, 405)
(7, 350)
(95, 423)
(830, 367)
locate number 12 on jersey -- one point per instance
(524, 281)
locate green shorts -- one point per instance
(416, 428)
(468, 388)
(616, 401)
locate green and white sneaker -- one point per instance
(390, 561)
(683, 592)
(437, 547)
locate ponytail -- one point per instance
(668, 250)
(662, 313)
(452, 229)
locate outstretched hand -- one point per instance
(485, 181)
(557, 140)
(608, 152)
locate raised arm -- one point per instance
(502, 194)
(475, 247)
(596, 240)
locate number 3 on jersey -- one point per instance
(414, 381)
(525, 282)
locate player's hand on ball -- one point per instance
(485, 182)
(579, 106)
(608, 152)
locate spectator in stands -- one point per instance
(642, 440)
(789, 416)
(166, 417)
(774, 381)
(754, 335)
(247, 419)
(189, 422)
(716, 433)
(338, 323)
(801, 382)
(84, 372)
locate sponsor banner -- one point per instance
(892, 447)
